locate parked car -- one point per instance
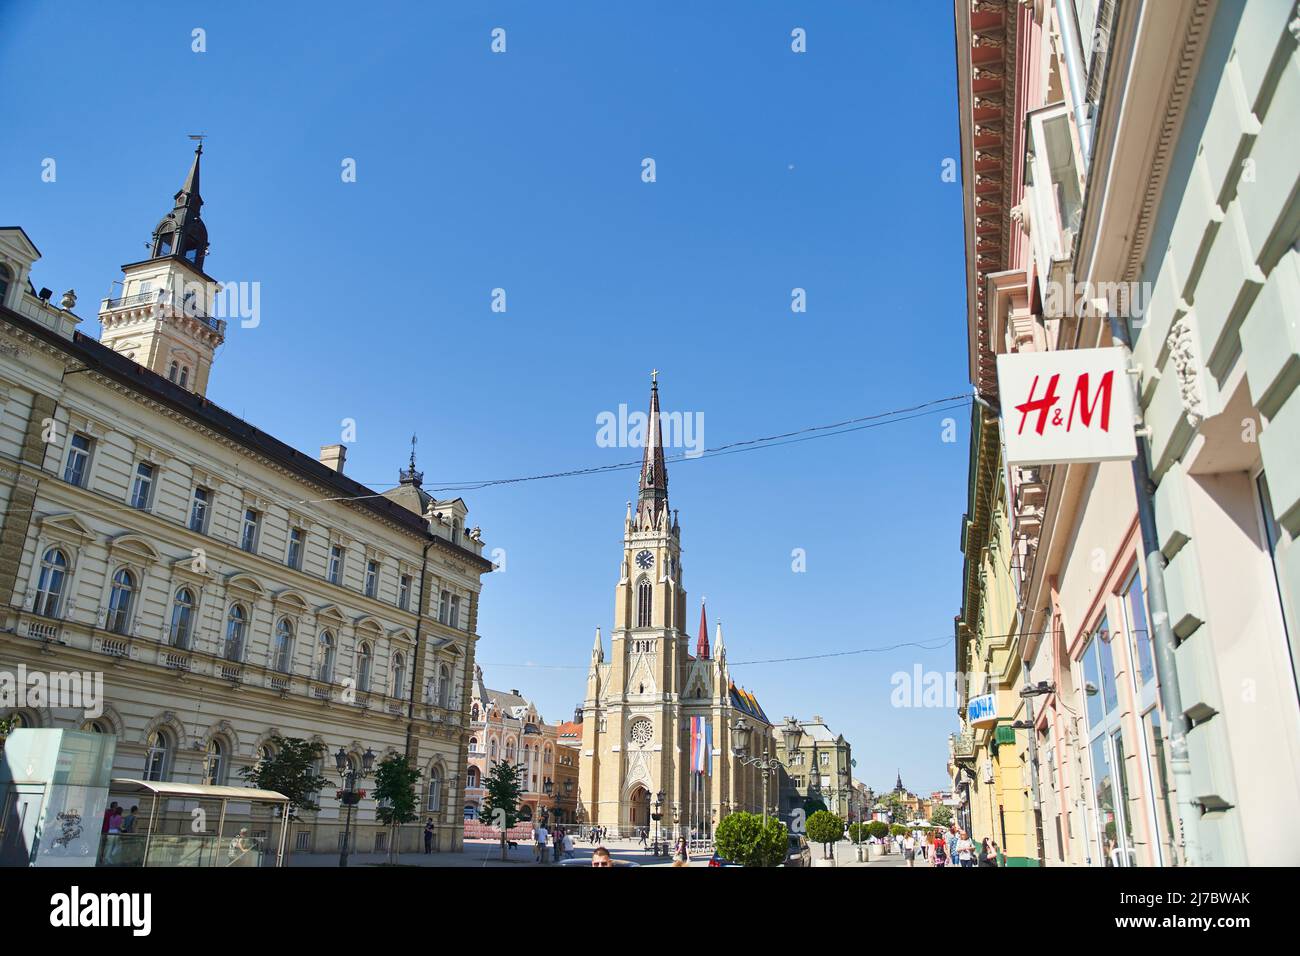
(798, 853)
(717, 860)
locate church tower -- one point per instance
(657, 720)
(163, 317)
(630, 719)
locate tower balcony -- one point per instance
(158, 304)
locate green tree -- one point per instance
(290, 770)
(941, 816)
(504, 787)
(825, 828)
(813, 805)
(878, 829)
(395, 781)
(897, 829)
(742, 838)
(859, 832)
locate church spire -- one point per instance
(702, 645)
(652, 498)
(181, 233)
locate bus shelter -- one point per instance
(191, 824)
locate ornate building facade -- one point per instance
(506, 726)
(228, 587)
(659, 723)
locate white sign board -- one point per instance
(982, 711)
(1075, 405)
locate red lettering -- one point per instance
(1087, 410)
(1042, 405)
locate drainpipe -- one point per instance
(1072, 49)
(415, 656)
(1171, 698)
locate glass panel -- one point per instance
(1103, 788)
(1160, 774)
(1092, 683)
(1123, 802)
(1109, 690)
(1140, 634)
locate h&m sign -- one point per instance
(1075, 405)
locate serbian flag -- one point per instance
(701, 746)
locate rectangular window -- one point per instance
(1164, 814)
(74, 470)
(1139, 634)
(443, 600)
(294, 558)
(142, 490)
(372, 578)
(252, 522)
(200, 509)
(404, 593)
(453, 619)
(336, 564)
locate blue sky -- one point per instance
(522, 171)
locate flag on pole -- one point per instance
(701, 745)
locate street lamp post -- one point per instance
(741, 733)
(350, 795)
(657, 815)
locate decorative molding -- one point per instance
(1182, 355)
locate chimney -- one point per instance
(333, 456)
(515, 692)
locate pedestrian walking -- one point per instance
(540, 839)
(568, 846)
(557, 841)
(965, 850)
(909, 849)
(951, 840)
(428, 835)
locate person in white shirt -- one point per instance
(540, 838)
(965, 850)
(909, 849)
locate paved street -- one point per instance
(482, 853)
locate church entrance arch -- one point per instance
(638, 808)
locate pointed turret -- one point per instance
(652, 496)
(702, 645)
(181, 233)
(597, 650)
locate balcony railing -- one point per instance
(963, 746)
(162, 297)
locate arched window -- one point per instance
(363, 669)
(473, 745)
(97, 727)
(283, 645)
(472, 778)
(264, 755)
(444, 686)
(325, 657)
(510, 751)
(399, 673)
(157, 761)
(492, 749)
(172, 370)
(435, 790)
(236, 626)
(182, 619)
(185, 376)
(214, 763)
(473, 712)
(49, 587)
(119, 602)
(165, 242)
(643, 597)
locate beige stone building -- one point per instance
(657, 718)
(227, 586)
